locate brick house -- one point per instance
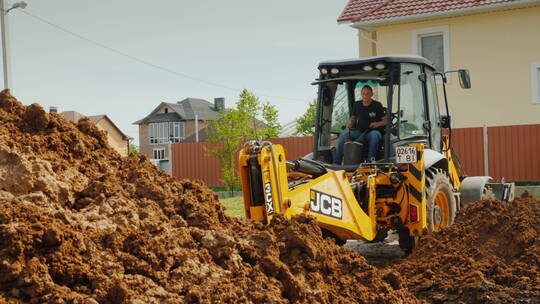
(184, 121)
(116, 138)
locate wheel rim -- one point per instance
(440, 211)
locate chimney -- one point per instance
(53, 110)
(219, 103)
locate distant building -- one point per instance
(116, 138)
(183, 121)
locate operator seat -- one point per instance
(356, 151)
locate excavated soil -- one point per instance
(490, 255)
(81, 224)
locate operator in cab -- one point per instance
(368, 120)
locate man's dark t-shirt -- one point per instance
(366, 115)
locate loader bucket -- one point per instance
(479, 188)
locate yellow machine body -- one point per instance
(415, 186)
(395, 197)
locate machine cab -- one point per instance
(404, 85)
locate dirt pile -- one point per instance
(80, 224)
(490, 255)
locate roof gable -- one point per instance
(186, 109)
(97, 118)
(165, 117)
(155, 112)
(371, 10)
(192, 107)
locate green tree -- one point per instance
(250, 119)
(133, 150)
(305, 124)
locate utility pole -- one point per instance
(5, 48)
(5, 39)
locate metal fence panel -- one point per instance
(468, 145)
(191, 160)
(513, 153)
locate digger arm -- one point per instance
(263, 173)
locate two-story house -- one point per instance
(497, 40)
(183, 121)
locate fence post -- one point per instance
(169, 148)
(486, 150)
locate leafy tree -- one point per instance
(249, 120)
(133, 150)
(305, 124)
(270, 119)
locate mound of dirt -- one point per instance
(81, 224)
(490, 255)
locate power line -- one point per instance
(142, 61)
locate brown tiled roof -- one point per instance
(369, 10)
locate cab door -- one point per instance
(433, 110)
(412, 115)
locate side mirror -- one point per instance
(464, 79)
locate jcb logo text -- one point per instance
(326, 204)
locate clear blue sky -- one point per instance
(269, 47)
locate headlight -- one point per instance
(324, 71)
(334, 71)
(380, 66)
(367, 68)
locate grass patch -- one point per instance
(528, 183)
(216, 189)
(234, 205)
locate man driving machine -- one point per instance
(368, 120)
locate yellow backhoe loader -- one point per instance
(414, 186)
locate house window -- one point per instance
(432, 47)
(158, 153)
(176, 130)
(432, 43)
(163, 132)
(153, 133)
(535, 78)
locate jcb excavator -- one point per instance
(416, 184)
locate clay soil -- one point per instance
(490, 255)
(81, 224)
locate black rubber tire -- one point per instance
(438, 181)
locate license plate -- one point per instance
(406, 154)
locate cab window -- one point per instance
(411, 113)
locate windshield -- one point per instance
(411, 115)
(340, 113)
(408, 118)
